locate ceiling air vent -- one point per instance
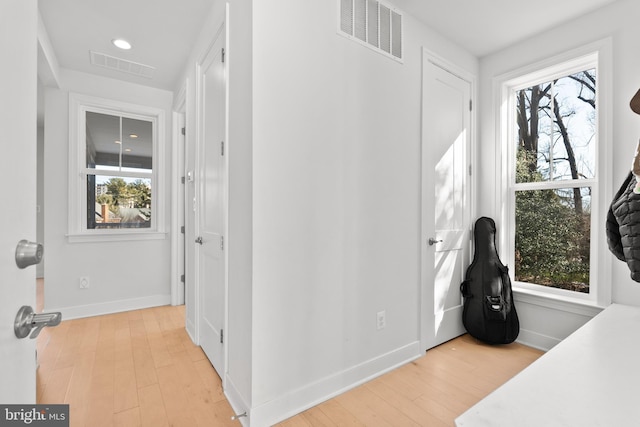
(119, 64)
(372, 24)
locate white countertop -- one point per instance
(592, 378)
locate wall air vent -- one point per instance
(372, 24)
(119, 64)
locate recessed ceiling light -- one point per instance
(117, 142)
(121, 43)
(128, 150)
(133, 135)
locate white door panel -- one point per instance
(18, 21)
(445, 204)
(212, 206)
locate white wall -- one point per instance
(542, 327)
(123, 275)
(324, 214)
(336, 203)
(240, 224)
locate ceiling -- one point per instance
(163, 32)
(486, 26)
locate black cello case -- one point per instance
(488, 313)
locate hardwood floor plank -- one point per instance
(100, 408)
(210, 380)
(79, 386)
(175, 399)
(137, 328)
(145, 370)
(152, 411)
(222, 416)
(440, 390)
(338, 414)
(362, 409)
(316, 417)
(90, 333)
(420, 414)
(402, 386)
(436, 410)
(195, 352)
(125, 383)
(385, 409)
(172, 341)
(448, 378)
(150, 322)
(297, 421)
(159, 353)
(57, 386)
(129, 418)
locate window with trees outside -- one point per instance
(115, 151)
(553, 177)
(119, 162)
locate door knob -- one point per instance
(28, 253)
(199, 240)
(29, 322)
(433, 241)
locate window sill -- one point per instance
(116, 236)
(558, 302)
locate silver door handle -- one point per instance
(433, 241)
(199, 240)
(29, 322)
(28, 253)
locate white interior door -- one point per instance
(445, 204)
(181, 208)
(18, 41)
(212, 206)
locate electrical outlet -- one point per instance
(84, 282)
(381, 319)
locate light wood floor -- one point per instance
(141, 369)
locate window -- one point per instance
(552, 151)
(114, 157)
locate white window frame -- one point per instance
(79, 105)
(595, 55)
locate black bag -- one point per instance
(488, 313)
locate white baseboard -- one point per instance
(296, 401)
(90, 310)
(191, 330)
(238, 404)
(536, 340)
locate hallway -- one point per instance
(129, 369)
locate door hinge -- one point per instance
(222, 55)
(182, 180)
(469, 170)
(221, 336)
(222, 243)
(470, 105)
(222, 148)
(184, 130)
(182, 229)
(182, 278)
